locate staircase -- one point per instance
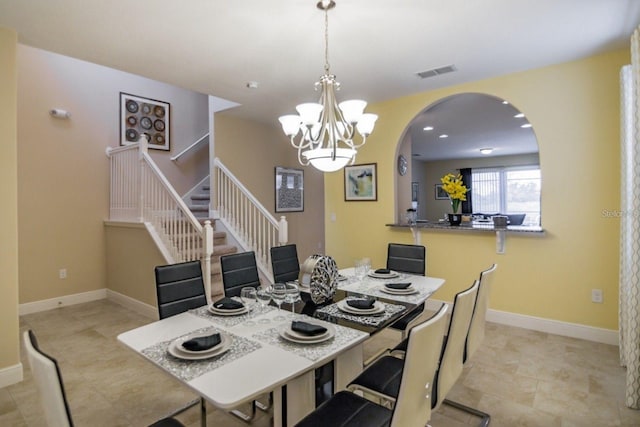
(198, 201)
(141, 193)
(220, 248)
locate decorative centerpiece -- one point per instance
(457, 191)
(320, 273)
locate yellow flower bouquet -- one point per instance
(457, 191)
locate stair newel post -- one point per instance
(142, 150)
(283, 231)
(208, 251)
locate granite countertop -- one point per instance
(472, 226)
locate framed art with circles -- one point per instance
(144, 116)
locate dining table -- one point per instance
(261, 354)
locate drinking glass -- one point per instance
(278, 294)
(292, 296)
(360, 269)
(366, 265)
(248, 297)
(264, 296)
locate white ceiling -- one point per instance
(376, 47)
(471, 121)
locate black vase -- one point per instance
(455, 219)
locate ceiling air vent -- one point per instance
(437, 71)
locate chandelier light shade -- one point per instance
(323, 132)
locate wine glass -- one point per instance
(264, 296)
(248, 297)
(278, 294)
(292, 296)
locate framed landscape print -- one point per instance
(144, 116)
(361, 182)
(289, 190)
(440, 193)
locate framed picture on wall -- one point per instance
(289, 190)
(361, 182)
(144, 116)
(414, 191)
(440, 193)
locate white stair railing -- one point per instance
(244, 216)
(141, 193)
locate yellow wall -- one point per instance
(574, 109)
(9, 341)
(131, 258)
(252, 151)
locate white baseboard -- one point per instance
(10, 375)
(574, 330)
(133, 304)
(49, 304)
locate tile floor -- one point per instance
(521, 377)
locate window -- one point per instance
(507, 190)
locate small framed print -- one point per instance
(289, 190)
(361, 183)
(414, 191)
(440, 193)
(144, 116)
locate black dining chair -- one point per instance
(284, 263)
(238, 271)
(476, 336)
(407, 259)
(179, 287)
(382, 378)
(415, 387)
(48, 378)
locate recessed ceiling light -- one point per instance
(519, 115)
(486, 150)
(526, 125)
(444, 135)
(427, 128)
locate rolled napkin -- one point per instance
(383, 271)
(397, 285)
(362, 303)
(307, 328)
(227, 304)
(202, 343)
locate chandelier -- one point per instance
(323, 132)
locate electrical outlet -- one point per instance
(62, 273)
(596, 296)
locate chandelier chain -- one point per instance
(326, 41)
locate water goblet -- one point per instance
(264, 297)
(278, 294)
(248, 297)
(292, 296)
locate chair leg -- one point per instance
(485, 418)
(262, 406)
(244, 417)
(203, 412)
